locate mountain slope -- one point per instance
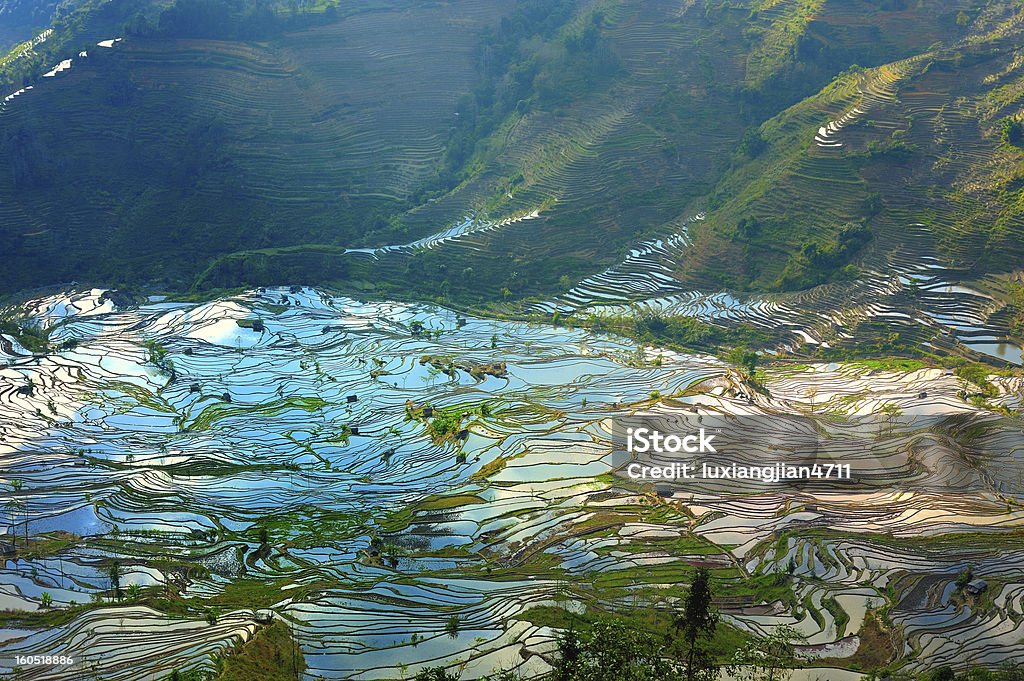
(916, 141)
(216, 152)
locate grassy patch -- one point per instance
(876, 647)
(271, 655)
(442, 503)
(679, 332)
(891, 364)
(249, 593)
(657, 621)
(42, 546)
(841, 617)
(216, 412)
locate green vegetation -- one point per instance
(877, 644)
(31, 336)
(271, 655)
(157, 355)
(963, 578)
(839, 616)
(1016, 306)
(611, 650)
(444, 425)
(558, 106)
(977, 375)
(1011, 131)
(815, 263)
(696, 626)
(769, 659)
(508, 78)
(678, 332)
(74, 26)
(890, 364)
(646, 644)
(691, 635)
(215, 412)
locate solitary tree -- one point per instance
(695, 625)
(134, 590)
(14, 505)
(12, 513)
(451, 627)
(891, 412)
(114, 573)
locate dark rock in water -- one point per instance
(460, 322)
(295, 289)
(261, 290)
(257, 325)
(354, 430)
(194, 388)
(351, 398)
(188, 351)
(478, 370)
(121, 299)
(226, 397)
(922, 395)
(24, 390)
(463, 434)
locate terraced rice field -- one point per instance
(915, 279)
(912, 294)
(165, 437)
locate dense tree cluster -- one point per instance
(817, 263)
(515, 76)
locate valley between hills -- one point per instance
(319, 320)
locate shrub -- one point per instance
(1011, 131)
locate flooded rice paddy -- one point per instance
(271, 452)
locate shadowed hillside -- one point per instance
(221, 145)
(264, 140)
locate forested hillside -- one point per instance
(230, 142)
